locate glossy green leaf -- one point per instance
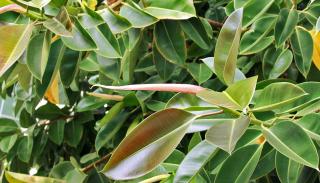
(35, 3)
(269, 59)
(115, 22)
(170, 42)
(239, 167)
(254, 10)
(281, 64)
(194, 161)
(6, 143)
(25, 147)
(37, 60)
(90, 63)
(266, 162)
(200, 72)
(136, 16)
(285, 25)
(226, 134)
(56, 131)
(80, 40)
(8, 126)
(209, 61)
(106, 42)
(156, 137)
(276, 95)
(175, 9)
(164, 67)
(255, 40)
(24, 178)
(292, 141)
(310, 123)
(110, 128)
(73, 133)
(90, 18)
(231, 97)
(227, 46)
(195, 30)
(195, 140)
(302, 46)
(14, 40)
(288, 170)
(54, 25)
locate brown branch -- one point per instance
(49, 122)
(94, 164)
(214, 23)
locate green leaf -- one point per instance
(37, 60)
(269, 59)
(170, 42)
(8, 126)
(115, 22)
(80, 40)
(195, 140)
(231, 97)
(175, 9)
(164, 68)
(254, 10)
(195, 30)
(151, 142)
(292, 141)
(56, 131)
(194, 161)
(200, 72)
(90, 63)
(54, 25)
(277, 95)
(25, 147)
(288, 170)
(302, 46)
(226, 50)
(73, 133)
(256, 40)
(285, 25)
(69, 66)
(282, 63)
(186, 102)
(266, 162)
(110, 128)
(239, 167)
(109, 67)
(21, 178)
(226, 134)
(14, 40)
(6, 143)
(310, 123)
(106, 42)
(60, 170)
(90, 19)
(35, 3)
(136, 16)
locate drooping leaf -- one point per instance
(292, 141)
(136, 16)
(14, 39)
(156, 137)
(239, 167)
(56, 131)
(285, 25)
(194, 161)
(226, 134)
(226, 50)
(80, 40)
(106, 42)
(7, 126)
(175, 9)
(302, 45)
(195, 30)
(282, 63)
(170, 42)
(25, 146)
(115, 22)
(276, 95)
(24, 178)
(54, 25)
(310, 123)
(200, 72)
(164, 67)
(255, 40)
(37, 60)
(288, 170)
(73, 133)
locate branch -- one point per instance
(12, 7)
(94, 164)
(214, 23)
(106, 96)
